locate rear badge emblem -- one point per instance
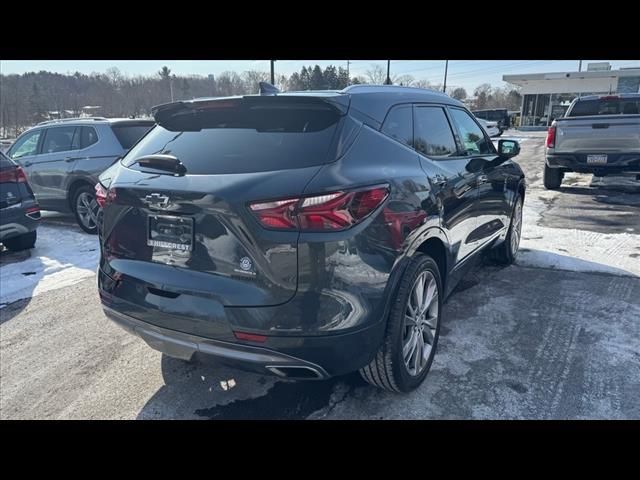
(157, 200)
(246, 265)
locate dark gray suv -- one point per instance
(305, 234)
(63, 158)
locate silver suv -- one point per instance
(63, 159)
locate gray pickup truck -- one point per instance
(598, 135)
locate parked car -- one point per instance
(63, 158)
(19, 210)
(599, 134)
(490, 127)
(258, 229)
(499, 115)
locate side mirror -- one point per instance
(508, 148)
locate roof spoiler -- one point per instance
(267, 89)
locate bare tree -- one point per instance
(459, 93)
(376, 74)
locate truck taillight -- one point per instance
(104, 196)
(317, 213)
(551, 137)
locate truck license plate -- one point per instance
(596, 159)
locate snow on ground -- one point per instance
(60, 258)
(573, 249)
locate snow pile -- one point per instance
(572, 249)
(60, 258)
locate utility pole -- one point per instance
(273, 79)
(171, 86)
(446, 68)
(580, 69)
(388, 80)
(348, 75)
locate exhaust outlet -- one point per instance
(296, 372)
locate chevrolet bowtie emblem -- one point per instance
(157, 200)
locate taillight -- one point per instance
(251, 337)
(21, 177)
(33, 212)
(13, 175)
(551, 137)
(104, 196)
(327, 212)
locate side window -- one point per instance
(472, 137)
(58, 139)
(398, 124)
(433, 135)
(88, 137)
(27, 145)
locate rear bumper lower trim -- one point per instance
(183, 345)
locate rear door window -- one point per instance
(128, 135)
(246, 138)
(433, 134)
(58, 139)
(399, 124)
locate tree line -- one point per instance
(36, 96)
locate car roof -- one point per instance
(372, 100)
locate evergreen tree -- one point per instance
(317, 79)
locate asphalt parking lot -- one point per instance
(555, 336)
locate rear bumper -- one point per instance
(617, 163)
(309, 357)
(15, 222)
(184, 346)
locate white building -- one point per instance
(546, 96)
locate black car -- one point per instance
(305, 234)
(19, 210)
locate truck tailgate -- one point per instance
(602, 133)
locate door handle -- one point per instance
(69, 159)
(27, 164)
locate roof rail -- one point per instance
(71, 119)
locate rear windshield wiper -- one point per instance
(166, 163)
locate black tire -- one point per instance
(21, 242)
(552, 177)
(505, 253)
(388, 370)
(88, 192)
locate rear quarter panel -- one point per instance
(350, 276)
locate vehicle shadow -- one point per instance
(204, 389)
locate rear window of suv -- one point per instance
(246, 138)
(605, 106)
(4, 161)
(128, 135)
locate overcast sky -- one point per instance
(465, 73)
